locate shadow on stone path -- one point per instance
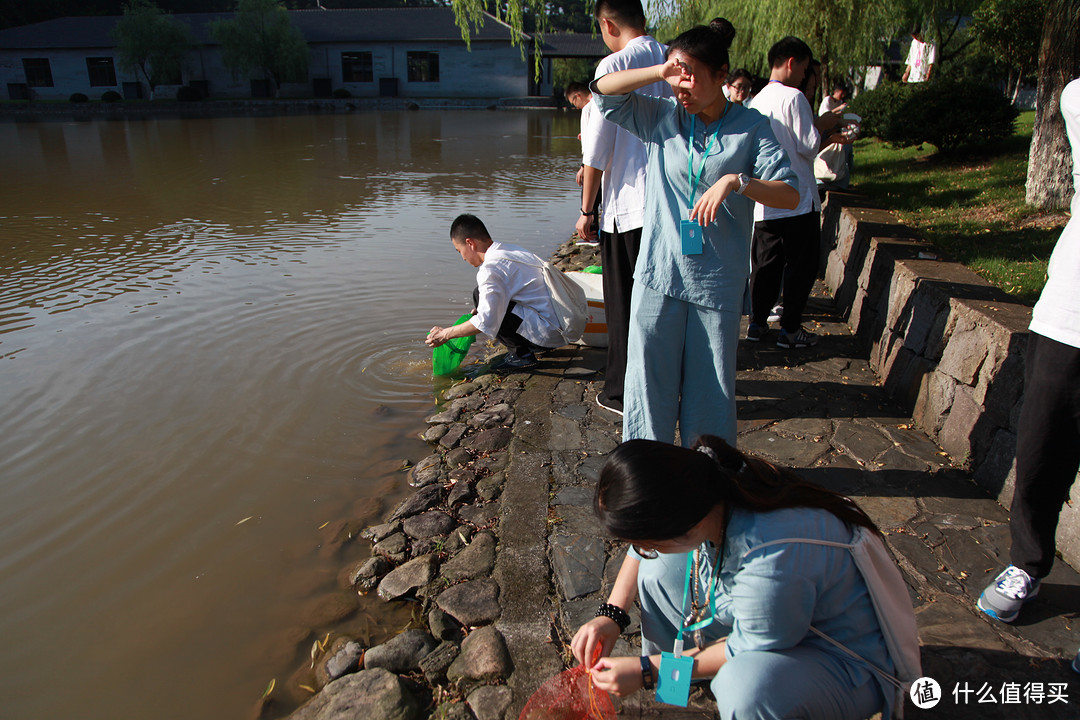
(821, 411)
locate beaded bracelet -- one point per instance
(616, 613)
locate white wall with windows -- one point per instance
(58, 74)
(425, 70)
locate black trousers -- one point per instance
(618, 255)
(508, 334)
(784, 251)
(1047, 451)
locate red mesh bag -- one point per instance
(570, 695)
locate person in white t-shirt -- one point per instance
(615, 168)
(920, 59)
(513, 303)
(1048, 440)
(578, 95)
(785, 242)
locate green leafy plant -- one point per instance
(947, 113)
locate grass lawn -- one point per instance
(971, 208)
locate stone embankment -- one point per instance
(501, 550)
(948, 346)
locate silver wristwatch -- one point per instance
(744, 180)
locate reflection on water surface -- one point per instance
(211, 357)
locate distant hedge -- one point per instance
(111, 96)
(78, 98)
(946, 113)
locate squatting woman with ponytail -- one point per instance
(745, 618)
(709, 160)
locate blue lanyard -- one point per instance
(690, 152)
(709, 598)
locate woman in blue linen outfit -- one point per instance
(709, 160)
(759, 653)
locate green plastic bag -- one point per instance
(594, 269)
(446, 358)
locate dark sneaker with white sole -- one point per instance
(511, 361)
(609, 403)
(755, 332)
(796, 340)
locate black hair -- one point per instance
(789, 47)
(706, 43)
(466, 226)
(813, 70)
(740, 74)
(627, 13)
(650, 490)
(575, 87)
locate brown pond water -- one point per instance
(210, 347)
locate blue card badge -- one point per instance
(691, 238)
(673, 684)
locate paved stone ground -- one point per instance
(821, 411)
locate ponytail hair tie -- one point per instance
(710, 452)
(716, 459)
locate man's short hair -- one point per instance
(789, 47)
(626, 13)
(575, 88)
(468, 226)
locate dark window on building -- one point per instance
(423, 66)
(101, 71)
(38, 73)
(356, 67)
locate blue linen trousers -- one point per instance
(676, 345)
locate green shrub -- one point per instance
(878, 107)
(948, 113)
(186, 93)
(342, 94)
(111, 96)
(78, 98)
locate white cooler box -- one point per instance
(596, 326)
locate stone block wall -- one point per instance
(945, 343)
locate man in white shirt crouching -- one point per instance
(513, 303)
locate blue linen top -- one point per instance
(771, 598)
(746, 144)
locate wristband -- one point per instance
(587, 214)
(646, 673)
(615, 613)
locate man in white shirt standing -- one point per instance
(785, 242)
(513, 303)
(613, 154)
(920, 59)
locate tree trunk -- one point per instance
(1049, 179)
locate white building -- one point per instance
(399, 52)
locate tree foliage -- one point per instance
(471, 13)
(262, 39)
(151, 43)
(844, 34)
(1010, 31)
